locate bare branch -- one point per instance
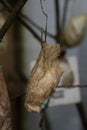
(73, 86)
(70, 87)
(57, 19)
(30, 29)
(36, 25)
(65, 9)
(27, 26)
(11, 18)
(46, 18)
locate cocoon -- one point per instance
(5, 107)
(44, 77)
(74, 32)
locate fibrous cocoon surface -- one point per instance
(44, 77)
(5, 107)
(74, 32)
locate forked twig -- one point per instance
(46, 18)
(21, 18)
(36, 25)
(11, 18)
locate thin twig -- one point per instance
(27, 26)
(42, 35)
(57, 19)
(69, 87)
(44, 123)
(65, 9)
(41, 124)
(46, 18)
(82, 114)
(36, 25)
(11, 18)
(72, 86)
(9, 8)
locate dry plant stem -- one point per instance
(42, 119)
(35, 25)
(44, 123)
(30, 29)
(11, 17)
(9, 8)
(20, 18)
(46, 18)
(57, 19)
(65, 9)
(5, 107)
(69, 87)
(73, 86)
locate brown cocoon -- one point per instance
(44, 77)
(5, 108)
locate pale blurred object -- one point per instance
(67, 78)
(44, 77)
(75, 31)
(3, 42)
(69, 95)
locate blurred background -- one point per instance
(20, 47)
